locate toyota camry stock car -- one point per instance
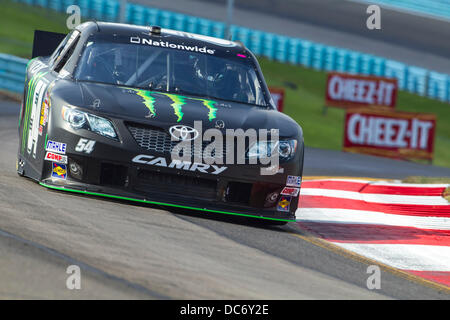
(105, 106)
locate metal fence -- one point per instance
(276, 47)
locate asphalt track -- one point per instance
(128, 251)
(416, 40)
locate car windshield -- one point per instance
(169, 70)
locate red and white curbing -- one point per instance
(405, 226)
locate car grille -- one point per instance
(152, 181)
(157, 140)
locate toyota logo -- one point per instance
(183, 133)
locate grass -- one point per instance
(419, 179)
(304, 104)
(18, 23)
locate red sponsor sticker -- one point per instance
(387, 133)
(345, 90)
(288, 191)
(56, 157)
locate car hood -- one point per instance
(165, 109)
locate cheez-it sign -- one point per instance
(278, 97)
(403, 135)
(345, 90)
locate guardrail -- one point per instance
(277, 47)
(12, 72)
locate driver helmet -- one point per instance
(206, 70)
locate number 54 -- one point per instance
(85, 145)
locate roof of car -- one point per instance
(167, 36)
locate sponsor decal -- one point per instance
(44, 113)
(288, 191)
(345, 90)
(210, 105)
(294, 181)
(59, 170)
(50, 156)
(387, 133)
(178, 164)
(166, 44)
(85, 145)
(149, 101)
(55, 146)
(178, 102)
(284, 203)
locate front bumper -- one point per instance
(109, 171)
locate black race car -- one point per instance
(105, 113)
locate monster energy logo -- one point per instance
(149, 101)
(210, 105)
(178, 102)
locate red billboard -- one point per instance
(382, 132)
(346, 90)
(278, 97)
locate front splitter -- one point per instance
(99, 194)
